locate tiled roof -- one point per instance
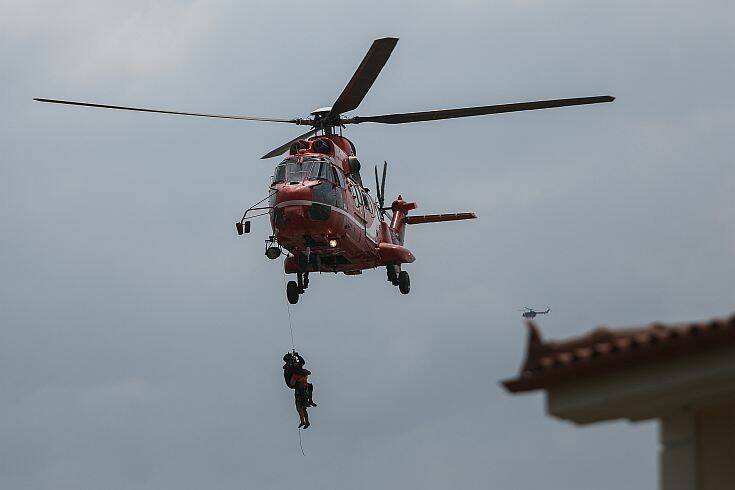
(603, 350)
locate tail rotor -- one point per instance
(380, 189)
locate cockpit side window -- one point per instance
(280, 174)
(338, 179)
(368, 203)
(324, 170)
(355, 194)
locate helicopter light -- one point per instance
(272, 252)
(332, 243)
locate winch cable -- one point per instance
(288, 308)
(301, 445)
(293, 344)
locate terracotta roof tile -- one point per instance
(603, 350)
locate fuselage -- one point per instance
(323, 215)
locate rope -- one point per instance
(288, 308)
(290, 327)
(301, 445)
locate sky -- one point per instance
(142, 339)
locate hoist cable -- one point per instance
(301, 445)
(288, 308)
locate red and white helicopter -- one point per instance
(319, 209)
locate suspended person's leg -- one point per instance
(302, 414)
(310, 394)
(306, 418)
(302, 403)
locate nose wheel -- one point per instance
(296, 288)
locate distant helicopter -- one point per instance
(320, 211)
(531, 313)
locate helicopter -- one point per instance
(320, 211)
(531, 313)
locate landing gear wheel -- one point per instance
(404, 282)
(292, 292)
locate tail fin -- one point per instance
(400, 209)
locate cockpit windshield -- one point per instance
(292, 170)
(320, 169)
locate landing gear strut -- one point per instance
(393, 271)
(296, 288)
(399, 278)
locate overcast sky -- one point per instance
(142, 339)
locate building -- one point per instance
(683, 375)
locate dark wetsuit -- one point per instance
(296, 378)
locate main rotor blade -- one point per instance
(437, 218)
(284, 147)
(410, 117)
(139, 109)
(364, 76)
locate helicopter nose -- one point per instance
(294, 200)
(289, 193)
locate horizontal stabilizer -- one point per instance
(437, 218)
